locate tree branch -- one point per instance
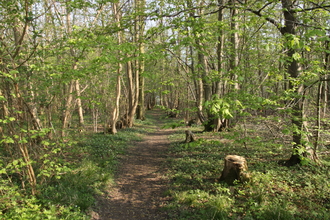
(278, 24)
(317, 6)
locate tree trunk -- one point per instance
(79, 106)
(326, 68)
(67, 107)
(133, 94)
(190, 137)
(289, 31)
(115, 112)
(141, 113)
(233, 62)
(217, 86)
(139, 32)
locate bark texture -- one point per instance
(235, 169)
(190, 137)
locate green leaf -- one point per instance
(15, 162)
(227, 114)
(46, 143)
(296, 56)
(2, 98)
(286, 131)
(23, 141)
(3, 171)
(7, 140)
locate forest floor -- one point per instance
(138, 191)
(161, 177)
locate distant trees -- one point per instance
(266, 56)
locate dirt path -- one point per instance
(138, 193)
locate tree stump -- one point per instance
(190, 137)
(235, 169)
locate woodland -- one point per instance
(77, 76)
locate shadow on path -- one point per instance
(139, 187)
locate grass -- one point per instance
(69, 177)
(72, 173)
(94, 169)
(273, 192)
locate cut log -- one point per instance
(190, 137)
(235, 169)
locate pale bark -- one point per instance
(220, 50)
(233, 62)
(79, 106)
(133, 94)
(326, 68)
(68, 92)
(140, 63)
(318, 121)
(66, 115)
(214, 123)
(115, 113)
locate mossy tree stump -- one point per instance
(235, 169)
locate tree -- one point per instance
(139, 26)
(18, 114)
(115, 113)
(289, 11)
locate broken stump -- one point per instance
(190, 137)
(235, 169)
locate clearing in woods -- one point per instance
(138, 192)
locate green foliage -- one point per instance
(68, 177)
(17, 205)
(174, 124)
(91, 171)
(76, 188)
(224, 108)
(274, 191)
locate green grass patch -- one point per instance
(99, 154)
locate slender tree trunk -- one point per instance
(67, 107)
(217, 122)
(133, 93)
(326, 68)
(115, 113)
(198, 88)
(233, 62)
(141, 106)
(139, 32)
(220, 48)
(79, 106)
(318, 120)
(66, 116)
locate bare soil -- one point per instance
(138, 192)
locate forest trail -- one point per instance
(139, 183)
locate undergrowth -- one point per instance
(68, 178)
(273, 192)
